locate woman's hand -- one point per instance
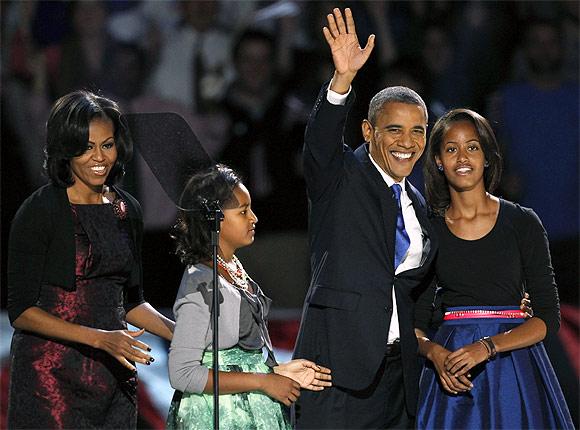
(280, 388)
(119, 343)
(450, 382)
(308, 374)
(122, 345)
(459, 362)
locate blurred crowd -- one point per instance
(244, 74)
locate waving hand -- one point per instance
(347, 55)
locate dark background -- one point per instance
(245, 74)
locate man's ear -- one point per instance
(367, 130)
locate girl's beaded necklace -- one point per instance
(236, 271)
(241, 281)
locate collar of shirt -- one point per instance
(405, 200)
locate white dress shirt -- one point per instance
(412, 258)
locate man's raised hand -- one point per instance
(347, 55)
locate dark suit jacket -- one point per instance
(348, 308)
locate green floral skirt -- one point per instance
(250, 410)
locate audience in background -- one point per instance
(537, 120)
(264, 137)
(194, 63)
(250, 109)
(249, 105)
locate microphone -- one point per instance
(213, 214)
(201, 204)
(212, 209)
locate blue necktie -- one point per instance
(402, 240)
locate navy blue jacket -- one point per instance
(352, 220)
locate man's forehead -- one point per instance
(397, 111)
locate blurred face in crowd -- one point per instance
(398, 138)
(543, 49)
(201, 15)
(254, 64)
(127, 71)
(437, 50)
(89, 18)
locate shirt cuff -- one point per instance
(335, 98)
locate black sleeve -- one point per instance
(27, 255)
(538, 271)
(134, 298)
(323, 153)
(428, 310)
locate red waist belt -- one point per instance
(481, 313)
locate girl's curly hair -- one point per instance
(191, 233)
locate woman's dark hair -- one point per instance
(436, 187)
(193, 241)
(67, 135)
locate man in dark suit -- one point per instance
(371, 247)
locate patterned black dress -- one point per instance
(57, 384)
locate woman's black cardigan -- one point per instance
(41, 248)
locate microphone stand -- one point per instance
(214, 216)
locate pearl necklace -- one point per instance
(237, 272)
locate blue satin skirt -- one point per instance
(516, 390)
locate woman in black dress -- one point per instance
(74, 279)
(486, 367)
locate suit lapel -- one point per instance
(429, 239)
(419, 207)
(386, 201)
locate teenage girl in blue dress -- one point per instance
(486, 366)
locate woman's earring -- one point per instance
(486, 164)
(440, 167)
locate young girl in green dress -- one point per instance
(254, 392)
